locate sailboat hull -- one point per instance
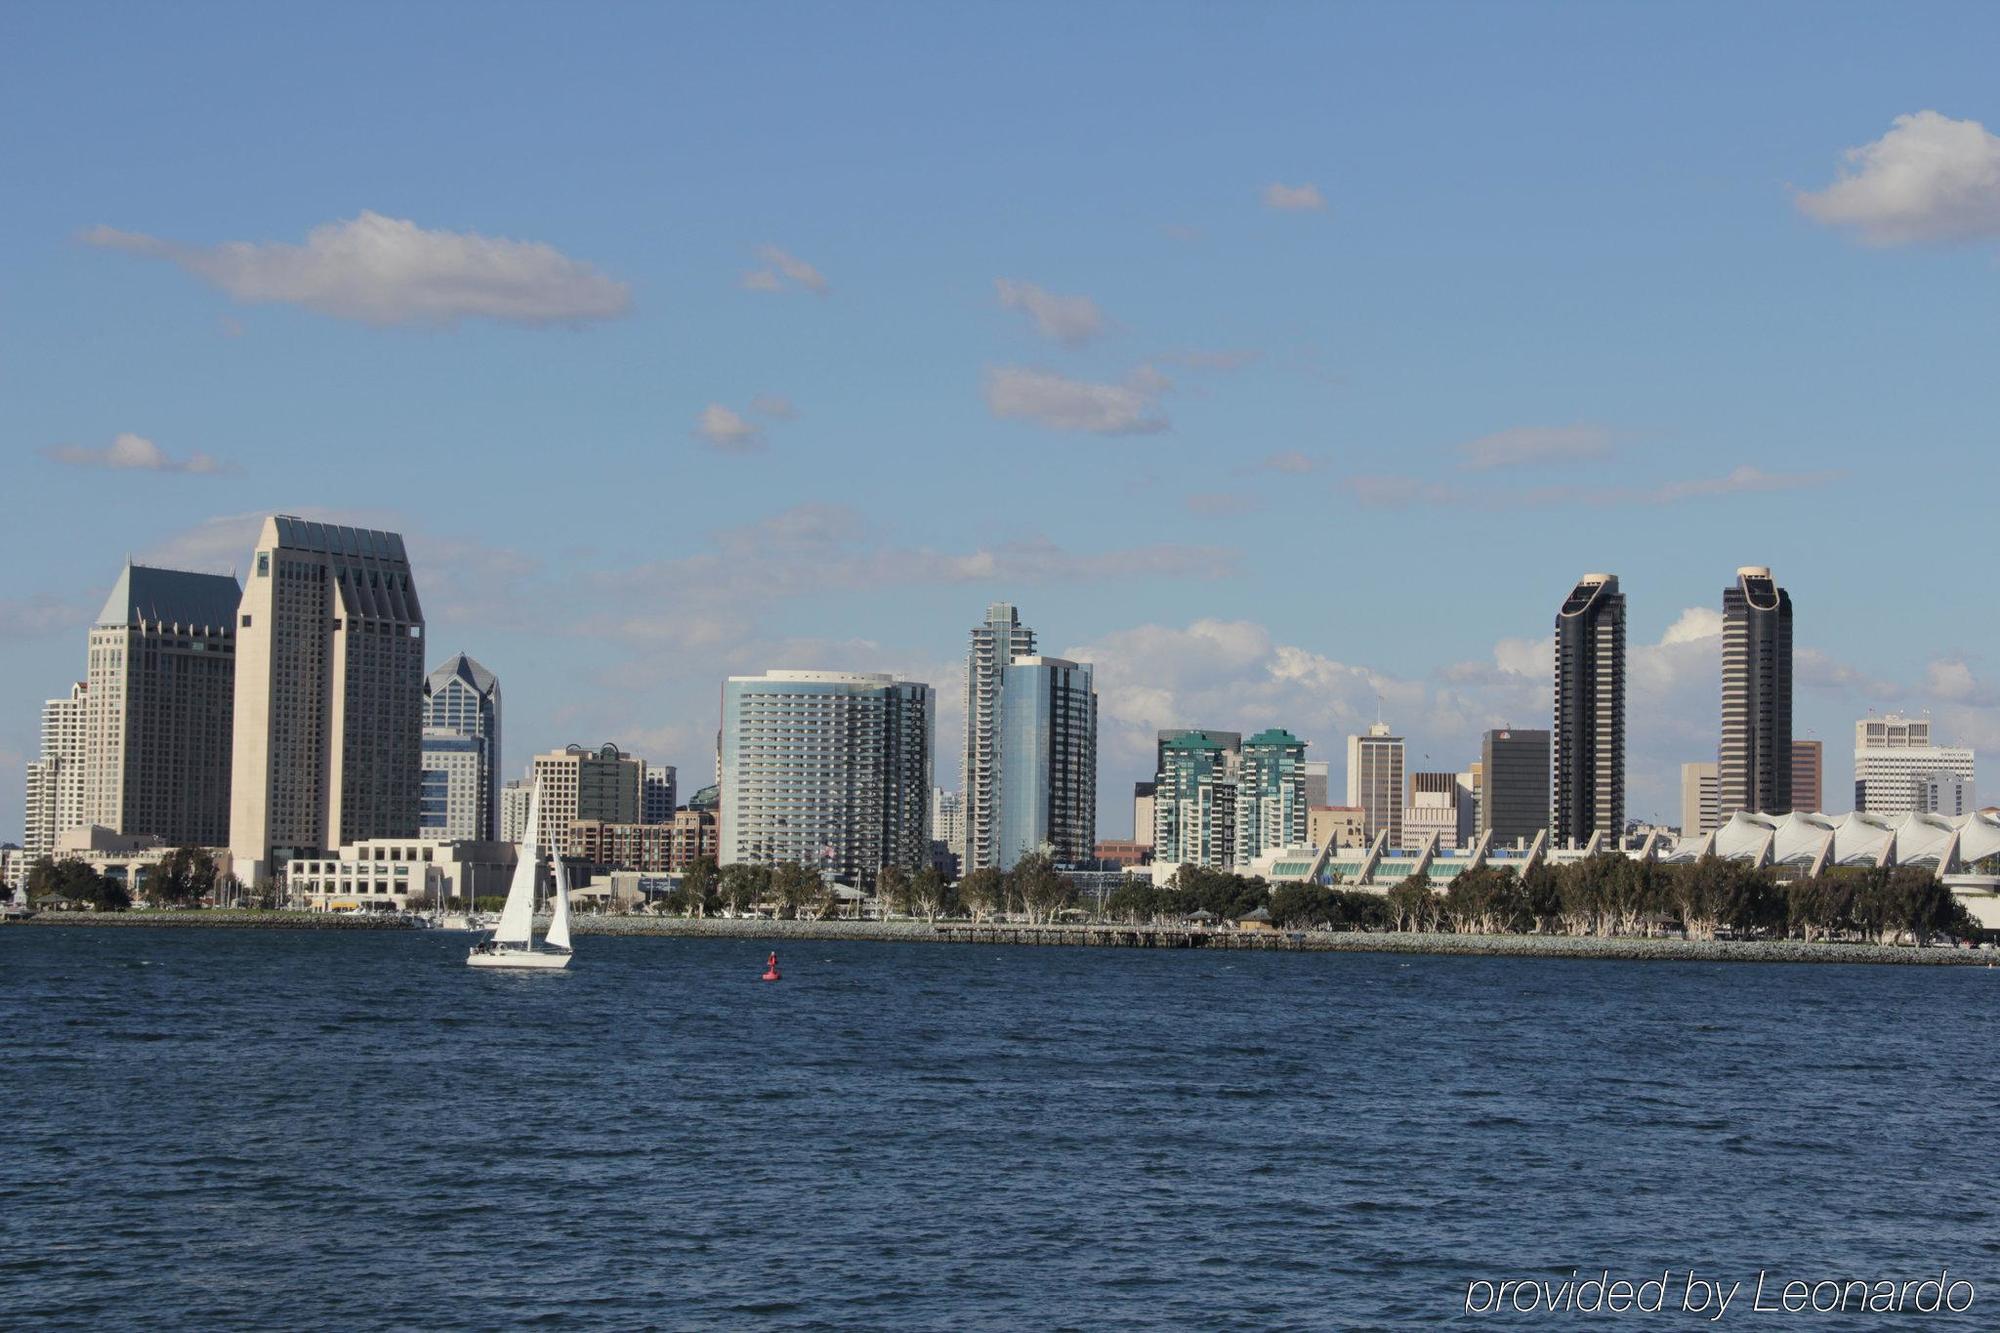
(539, 960)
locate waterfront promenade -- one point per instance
(1633, 948)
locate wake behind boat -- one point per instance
(512, 943)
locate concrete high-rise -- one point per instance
(1048, 761)
(1587, 741)
(1893, 758)
(659, 794)
(830, 769)
(162, 686)
(1808, 776)
(1194, 805)
(1700, 805)
(55, 779)
(578, 784)
(1440, 804)
(995, 643)
(329, 703)
(1514, 784)
(1272, 795)
(462, 699)
(1375, 781)
(1754, 765)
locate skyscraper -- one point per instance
(1514, 784)
(329, 702)
(659, 793)
(995, 643)
(1808, 776)
(831, 769)
(461, 746)
(578, 784)
(1587, 741)
(1194, 805)
(157, 712)
(1754, 766)
(1048, 761)
(1271, 795)
(55, 780)
(1375, 781)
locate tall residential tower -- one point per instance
(1048, 761)
(1754, 766)
(997, 642)
(461, 798)
(1587, 742)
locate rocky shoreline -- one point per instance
(1624, 949)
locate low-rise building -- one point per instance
(1345, 824)
(397, 874)
(1123, 852)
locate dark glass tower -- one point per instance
(1754, 765)
(1587, 743)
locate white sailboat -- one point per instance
(512, 943)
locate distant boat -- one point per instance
(512, 943)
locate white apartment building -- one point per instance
(55, 780)
(1894, 755)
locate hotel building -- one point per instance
(995, 643)
(1048, 761)
(1754, 769)
(1894, 756)
(1587, 740)
(461, 699)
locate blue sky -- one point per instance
(1280, 359)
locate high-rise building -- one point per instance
(55, 786)
(1194, 805)
(1230, 741)
(329, 705)
(827, 768)
(1701, 806)
(1317, 777)
(1271, 795)
(1754, 770)
(1142, 811)
(994, 643)
(1375, 781)
(1514, 784)
(1944, 793)
(462, 698)
(581, 784)
(1587, 741)
(157, 712)
(514, 803)
(658, 794)
(948, 826)
(1894, 756)
(1808, 776)
(448, 804)
(1048, 761)
(1439, 804)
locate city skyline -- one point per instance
(1232, 322)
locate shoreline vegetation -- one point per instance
(1579, 947)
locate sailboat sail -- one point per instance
(517, 917)
(558, 936)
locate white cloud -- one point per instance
(132, 453)
(1393, 492)
(780, 267)
(1072, 320)
(1402, 492)
(1219, 504)
(32, 617)
(1693, 625)
(1929, 179)
(388, 271)
(1290, 462)
(1528, 445)
(773, 405)
(728, 431)
(1739, 481)
(1060, 403)
(1293, 198)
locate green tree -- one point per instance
(700, 883)
(794, 887)
(893, 890)
(1040, 888)
(744, 886)
(984, 891)
(930, 894)
(1413, 906)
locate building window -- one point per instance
(246, 622)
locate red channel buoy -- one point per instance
(771, 968)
